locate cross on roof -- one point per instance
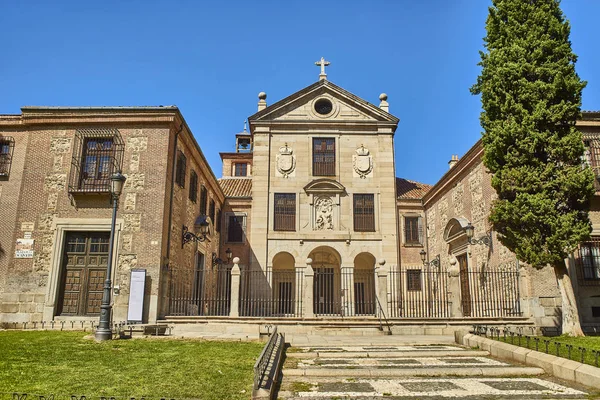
(322, 63)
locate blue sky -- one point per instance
(212, 58)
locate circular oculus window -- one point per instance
(323, 106)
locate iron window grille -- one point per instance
(587, 260)
(211, 210)
(7, 147)
(240, 169)
(203, 199)
(181, 169)
(592, 158)
(413, 280)
(235, 228)
(323, 156)
(285, 212)
(97, 155)
(413, 231)
(364, 213)
(193, 186)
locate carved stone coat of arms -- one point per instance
(286, 161)
(362, 162)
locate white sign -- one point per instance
(136, 295)
(27, 235)
(24, 248)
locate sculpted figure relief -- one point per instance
(324, 214)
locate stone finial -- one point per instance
(236, 260)
(262, 101)
(384, 105)
(309, 261)
(453, 161)
(381, 261)
(322, 63)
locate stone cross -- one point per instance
(322, 63)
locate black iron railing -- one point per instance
(264, 359)
(56, 396)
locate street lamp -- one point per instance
(217, 261)
(433, 263)
(485, 239)
(104, 331)
(201, 225)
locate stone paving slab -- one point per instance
(441, 388)
(378, 349)
(392, 354)
(396, 372)
(416, 362)
(376, 340)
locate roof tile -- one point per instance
(406, 189)
(236, 187)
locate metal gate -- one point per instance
(201, 291)
(274, 293)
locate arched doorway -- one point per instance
(364, 284)
(456, 238)
(327, 289)
(284, 285)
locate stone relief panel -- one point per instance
(362, 162)
(324, 213)
(286, 161)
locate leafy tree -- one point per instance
(531, 98)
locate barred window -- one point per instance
(203, 200)
(218, 221)
(413, 279)
(97, 155)
(323, 156)
(589, 253)
(193, 186)
(211, 210)
(240, 169)
(413, 230)
(285, 212)
(181, 169)
(592, 158)
(235, 228)
(364, 213)
(7, 145)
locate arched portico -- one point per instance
(456, 238)
(364, 284)
(284, 285)
(328, 292)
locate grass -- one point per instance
(66, 363)
(589, 343)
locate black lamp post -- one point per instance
(201, 225)
(433, 263)
(104, 331)
(485, 240)
(218, 261)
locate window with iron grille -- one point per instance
(592, 158)
(413, 279)
(588, 261)
(218, 221)
(235, 228)
(323, 156)
(181, 169)
(364, 213)
(413, 230)
(285, 212)
(211, 210)
(97, 155)
(240, 169)
(7, 146)
(193, 186)
(203, 200)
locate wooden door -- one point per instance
(84, 269)
(465, 289)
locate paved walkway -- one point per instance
(408, 367)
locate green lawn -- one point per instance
(588, 342)
(64, 363)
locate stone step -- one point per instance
(529, 388)
(414, 363)
(390, 354)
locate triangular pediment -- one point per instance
(302, 106)
(324, 185)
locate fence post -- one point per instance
(308, 302)
(381, 285)
(234, 311)
(454, 291)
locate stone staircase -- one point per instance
(408, 368)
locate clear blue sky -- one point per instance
(212, 58)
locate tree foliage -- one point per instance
(531, 98)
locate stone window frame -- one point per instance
(7, 149)
(369, 226)
(244, 225)
(420, 228)
(243, 171)
(280, 224)
(61, 226)
(335, 155)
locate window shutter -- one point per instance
(420, 230)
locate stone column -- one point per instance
(347, 290)
(381, 284)
(234, 311)
(308, 302)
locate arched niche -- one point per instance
(364, 261)
(284, 261)
(455, 235)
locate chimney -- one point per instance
(384, 105)
(452, 161)
(262, 101)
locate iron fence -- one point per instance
(274, 293)
(343, 292)
(492, 292)
(205, 291)
(264, 359)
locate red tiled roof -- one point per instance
(236, 187)
(406, 189)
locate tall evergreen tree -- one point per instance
(531, 98)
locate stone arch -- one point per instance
(363, 287)
(457, 241)
(283, 284)
(328, 293)
(283, 261)
(455, 229)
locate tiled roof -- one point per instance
(236, 187)
(406, 189)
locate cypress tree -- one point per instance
(531, 99)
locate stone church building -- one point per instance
(308, 224)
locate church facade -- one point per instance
(307, 223)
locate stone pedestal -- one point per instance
(308, 288)
(381, 284)
(347, 290)
(234, 311)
